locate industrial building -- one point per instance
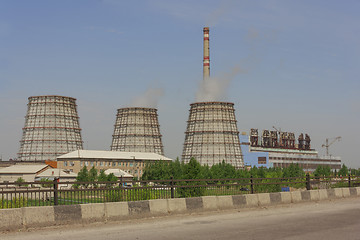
(130, 162)
(137, 130)
(51, 129)
(212, 135)
(279, 149)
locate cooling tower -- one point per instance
(137, 130)
(212, 135)
(51, 128)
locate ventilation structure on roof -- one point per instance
(51, 128)
(137, 130)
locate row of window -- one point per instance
(105, 164)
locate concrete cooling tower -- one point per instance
(137, 130)
(212, 135)
(51, 128)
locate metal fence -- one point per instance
(15, 195)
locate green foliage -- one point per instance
(48, 184)
(322, 171)
(343, 171)
(20, 180)
(15, 202)
(294, 170)
(102, 176)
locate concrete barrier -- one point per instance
(346, 192)
(296, 196)
(252, 200)
(314, 195)
(158, 207)
(264, 199)
(38, 216)
(92, 212)
(176, 205)
(13, 219)
(323, 194)
(285, 197)
(116, 210)
(210, 202)
(224, 202)
(338, 193)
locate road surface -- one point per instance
(338, 219)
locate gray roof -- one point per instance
(26, 169)
(95, 154)
(54, 172)
(118, 172)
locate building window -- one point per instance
(86, 163)
(114, 164)
(106, 164)
(261, 160)
(65, 163)
(92, 164)
(131, 164)
(81, 164)
(101, 163)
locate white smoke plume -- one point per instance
(218, 13)
(148, 99)
(215, 88)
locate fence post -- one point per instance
(308, 186)
(56, 196)
(251, 184)
(172, 186)
(349, 180)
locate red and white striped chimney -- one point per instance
(206, 62)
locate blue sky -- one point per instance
(299, 64)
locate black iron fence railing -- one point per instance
(15, 195)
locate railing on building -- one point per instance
(15, 195)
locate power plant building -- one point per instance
(51, 128)
(280, 149)
(137, 130)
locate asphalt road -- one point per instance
(338, 219)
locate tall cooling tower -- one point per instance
(51, 128)
(212, 135)
(137, 130)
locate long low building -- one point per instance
(130, 162)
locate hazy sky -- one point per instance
(289, 64)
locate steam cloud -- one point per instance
(215, 88)
(149, 99)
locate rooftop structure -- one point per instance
(212, 135)
(51, 128)
(137, 130)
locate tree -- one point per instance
(83, 175)
(92, 175)
(19, 182)
(102, 176)
(343, 171)
(322, 171)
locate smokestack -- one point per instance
(206, 64)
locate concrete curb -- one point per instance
(19, 218)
